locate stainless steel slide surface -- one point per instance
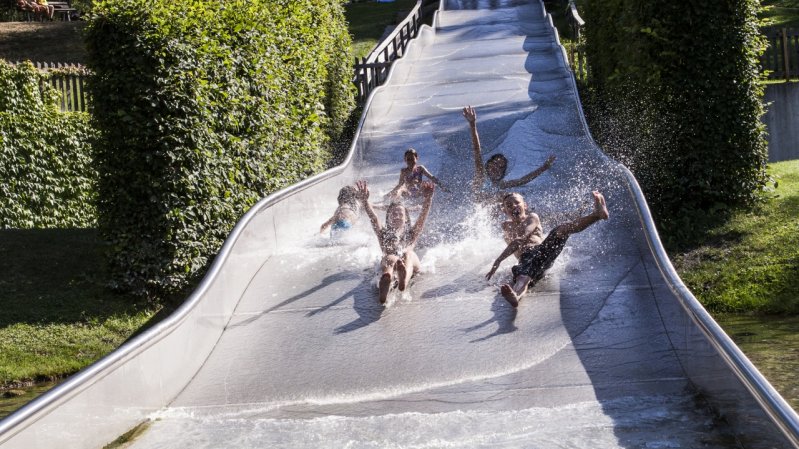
(604, 352)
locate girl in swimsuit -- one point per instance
(346, 213)
(397, 238)
(411, 176)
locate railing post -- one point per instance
(786, 55)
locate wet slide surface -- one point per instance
(311, 359)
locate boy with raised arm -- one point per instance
(488, 181)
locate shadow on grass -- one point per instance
(43, 41)
(56, 276)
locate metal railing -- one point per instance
(576, 49)
(372, 71)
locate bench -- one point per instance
(64, 10)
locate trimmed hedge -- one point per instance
(45, 155)
(204, 107)
(674, 94)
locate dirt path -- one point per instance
(43, 41)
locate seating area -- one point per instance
(50, 10)
(64, 11)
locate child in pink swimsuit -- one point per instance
(411, 177)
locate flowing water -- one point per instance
(772, 344)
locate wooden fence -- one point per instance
(69, 80)
(372, 71)
(781, 57)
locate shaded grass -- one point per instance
(750, 263)
(368, 21)
(43, 41)
(58, 316)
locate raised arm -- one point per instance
(530, 176)
(363, 196)
(479, 171)
(428, 188)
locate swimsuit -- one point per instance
(338, 228)
(341, 225)
(413, 180)
(392, 243)
(538, 259)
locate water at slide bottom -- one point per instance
(579, 425)
(430, 416)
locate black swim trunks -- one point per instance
(535, 261)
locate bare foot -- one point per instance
(385, 286)
(401, 273)
(509, 295)
(600, 208)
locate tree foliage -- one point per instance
(45, 155)
(674, 94)
(204, 107)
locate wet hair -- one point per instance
(499, 157)
(508, 194)
(347, 195)
(411, 151)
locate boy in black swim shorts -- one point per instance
(523, 233)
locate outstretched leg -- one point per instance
(600, 212)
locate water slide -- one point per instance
(284, 344)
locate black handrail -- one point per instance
(372, 71)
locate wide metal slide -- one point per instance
(284, 344)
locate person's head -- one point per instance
(347, 195)
(496, 166)
(396, 216)
(513, 205)
(411, 157)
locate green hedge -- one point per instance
(674, 94)
(204, 107)
(45, 156)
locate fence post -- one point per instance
(786, 55)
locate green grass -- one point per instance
(750, 263)
(58, 316)
(780, 13)
(368, 21)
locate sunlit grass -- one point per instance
(751, 263)
(780, 13)
(368, 21)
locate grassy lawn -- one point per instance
(43, 41)
(751, 263)
(368, 21)
(780, 13)
(58, 316)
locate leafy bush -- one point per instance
(674, 94)
(205, 107)
(45, 156)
